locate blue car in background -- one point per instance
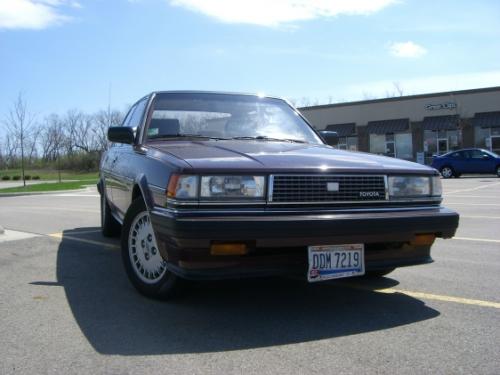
(471, 160)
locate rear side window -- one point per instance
(476, 154)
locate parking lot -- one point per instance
(66, 305)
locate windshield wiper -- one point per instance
(185, 135)
(271, 139)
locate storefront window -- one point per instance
(482, 137)
(347, 143)
(377, 144)
(352, 143)
(430, 142)
(442, 141)
(395, 145)
(404, 147)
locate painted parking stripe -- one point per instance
(422, 295)
(474, 188)
(475, 239)
(443, 298)
(472, 204)
(62, 236)
(427, 296)
(479, 217)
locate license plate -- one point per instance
(335, 261)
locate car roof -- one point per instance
(465, 149)
(214, 92)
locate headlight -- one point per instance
(437, 188)
(234, 187)
(183, 187)
(409, 186)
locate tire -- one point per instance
(379, 273)
(143, 263)
(447, 172)
(110, 227)
(498, 171)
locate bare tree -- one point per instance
(104, 120)
(398, 88)
(52, 138)
(19, 123)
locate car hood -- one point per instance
(267, 156)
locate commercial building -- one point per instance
(414, 127)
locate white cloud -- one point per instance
(278, 12)
(407, 50)
(33, 14)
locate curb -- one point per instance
(19, 194)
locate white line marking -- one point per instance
(475, 239)
(473, 196)
(479, 217)
(472, 204)
(14, 235)
(75, 195)
(475, 188)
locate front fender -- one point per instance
(142, 183)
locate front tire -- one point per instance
(447, 172)
(498, 171)
(143, 263)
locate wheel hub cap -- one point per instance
(143, 250)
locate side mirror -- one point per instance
(330, 137)
(121, 134)
(486, 156)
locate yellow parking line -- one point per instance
(429, 296)
(438, 297)
(84, 240)
(475, 239)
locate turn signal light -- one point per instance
(423, 240)
(228, 249)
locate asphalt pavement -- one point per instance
(66, 306)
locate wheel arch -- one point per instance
(141, 189)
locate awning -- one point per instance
(486, 119)
(343, 130)
(388, 126)
(449, 122)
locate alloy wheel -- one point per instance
(446, 172)
(146, 260)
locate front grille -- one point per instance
(322, 188)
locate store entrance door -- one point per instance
(442, 146)
(495, 144)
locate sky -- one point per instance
(65, 54)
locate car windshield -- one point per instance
(226, 116)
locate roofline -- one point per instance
(400, 98)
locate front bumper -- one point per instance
(278, 240)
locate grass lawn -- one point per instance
(50, 186)
(48, 174)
